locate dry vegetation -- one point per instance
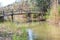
(43, 30)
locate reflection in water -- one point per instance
(30, 34)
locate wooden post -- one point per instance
(29, 16)
(12, 16)
(3, 15)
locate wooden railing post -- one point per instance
(12, 16)
(3, 14)
(29, 17)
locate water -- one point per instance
(30, 34)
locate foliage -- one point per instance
(42, 4)
(47, 13)
(20, 37)
(59, 9)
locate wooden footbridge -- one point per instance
(12, 13)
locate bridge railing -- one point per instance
(14, 13)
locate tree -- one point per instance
(42, 5)
(54, 15)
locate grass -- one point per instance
(43, 30)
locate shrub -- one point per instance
(23, 36)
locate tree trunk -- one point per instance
(53, 18)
